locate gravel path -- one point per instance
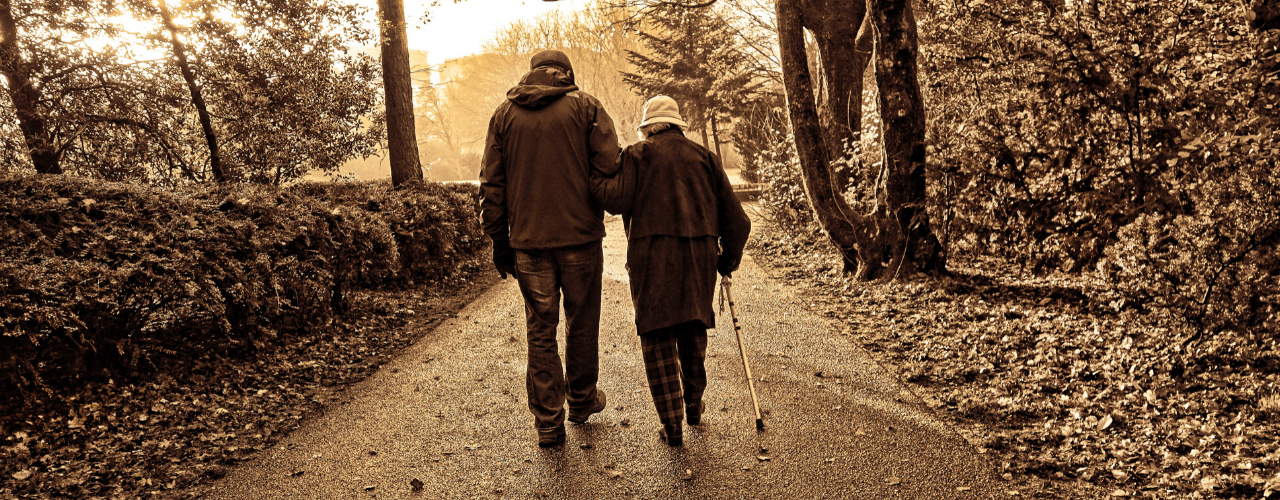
(450, 412)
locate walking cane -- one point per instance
(725, 284)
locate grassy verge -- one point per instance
(1069, 397)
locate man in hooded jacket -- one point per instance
(536, 206)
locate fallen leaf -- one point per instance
(893, 481)
(859, 432)
(1105, 423)
(762, 458)
(416, 484)
(1007, 476)
(1119, 493)
(22, 474)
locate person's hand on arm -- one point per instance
(493, 203)
(610, 185)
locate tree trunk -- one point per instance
(835, 25)
(903, 195)
(872, 245)
(715, 137)
(859, 238)
(197, 98)
(35, 131)
(402, 142)
(702, 127)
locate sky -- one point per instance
(455, 29)
(460, 29)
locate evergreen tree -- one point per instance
(690, 56)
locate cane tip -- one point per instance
(759, 424)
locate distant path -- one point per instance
(451, 412)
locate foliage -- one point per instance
(101, 277)
(761, 127)
(1141, 132)
(783, 200)
(289, 96)
(689, 56)
(113, 114)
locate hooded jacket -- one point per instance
(542, 143)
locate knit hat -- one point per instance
(550, 57)
(662, 109)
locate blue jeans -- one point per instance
(545, 276)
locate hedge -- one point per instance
(102, 278)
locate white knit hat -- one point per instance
(662, 109)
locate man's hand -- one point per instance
(504, 260)
(726, 265)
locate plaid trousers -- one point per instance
(674, 364)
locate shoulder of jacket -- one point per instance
(580, 94)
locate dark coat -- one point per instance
(534, 184)
(682, 222)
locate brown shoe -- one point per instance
(552, 437)
(580, 416)
(673, 435)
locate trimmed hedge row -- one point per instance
(98, 277)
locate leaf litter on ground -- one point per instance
(1063, 388)
(173, 430)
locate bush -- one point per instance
(783, 199)
(99, 277)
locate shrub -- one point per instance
(434, 224)
(106, 276)
(783, 199)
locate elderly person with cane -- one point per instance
(683, 225)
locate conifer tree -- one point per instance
(689, 57)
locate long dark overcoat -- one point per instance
(682, 220)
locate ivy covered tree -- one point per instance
(688, 55)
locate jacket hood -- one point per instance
(541, 87)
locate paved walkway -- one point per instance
(450, 412)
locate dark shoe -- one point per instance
(551, 438)
(580, 416)
(672, 435)
(693, 413)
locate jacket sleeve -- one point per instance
(733, 225)
(493, 189)
(603, 140)
(616, 193)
